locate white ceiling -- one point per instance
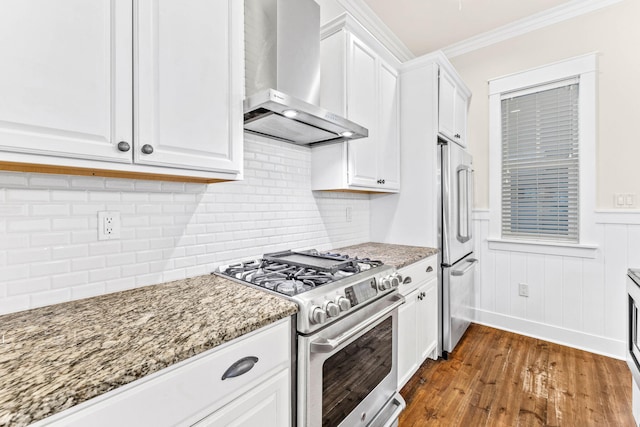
(427, 25)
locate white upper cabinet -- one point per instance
(65, 79)
(73, 70)
(453, 101)
(359, 80)
(186, 92)
(362, 108)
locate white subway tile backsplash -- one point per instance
(14, 272)
(28, 225)
(169, 230)
(10, 304)
(74, 223)
(50, 268)
(120, 284)
(14, 209)
(134, 270)
(103, 274)
(50, 210)
(28, 286)
(9, 179)
(73, 280)
(11, 241)
(69, 252)
(49, 181)
(105, 247)
(119, 184)
(88, 263)
(87, 291)
(50, 297)
(84, 236)
(91, 183)
(104, 196)
(28, 256)
(69, 196)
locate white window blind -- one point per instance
(540, 164)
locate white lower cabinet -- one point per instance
(417, 318)
(265, 406)
(193, 392)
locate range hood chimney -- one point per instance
(282, 69)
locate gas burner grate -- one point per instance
(286, 273)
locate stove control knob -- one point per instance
(384, 284)
(396, 279)
(343, 303)
(317, 315)
(332, 309)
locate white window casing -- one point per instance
(578, 241)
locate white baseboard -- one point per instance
(571, 338)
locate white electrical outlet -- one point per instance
(108, 225)
(629, 200)
(523, 290)
(348, 215)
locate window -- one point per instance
(540, 167)
(542, 156)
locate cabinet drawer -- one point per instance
(185, 393)
(419, 273)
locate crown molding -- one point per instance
(363, 13)
(534, 22)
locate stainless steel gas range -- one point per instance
(347, 333)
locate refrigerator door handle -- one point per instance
(471, 261)
(464, 203)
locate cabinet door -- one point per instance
(407, 342)
(388, 130)
(362, 108)
(65, 79)
(427, 316)
(189, 84)
(446, 105)
(267, 405)
(460, 119)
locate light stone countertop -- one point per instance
(397, 255)
(55, 357)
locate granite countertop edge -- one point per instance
(58, 356)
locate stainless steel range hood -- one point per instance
(282, 69)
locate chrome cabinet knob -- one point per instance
(343, 303)
(331, 308)
(124, 146)
(317, 315)
(147, 149)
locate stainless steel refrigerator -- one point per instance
(457, 261)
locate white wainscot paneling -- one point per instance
(574, 301)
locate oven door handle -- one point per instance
(327, 345)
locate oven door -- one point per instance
(347, 372)
(633, 349)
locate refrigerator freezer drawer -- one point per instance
(457, 300)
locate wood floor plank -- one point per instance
(497, 378)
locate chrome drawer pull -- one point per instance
(407, 280)
(429, 269)
(242, 366)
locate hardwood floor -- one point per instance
(497, 378)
